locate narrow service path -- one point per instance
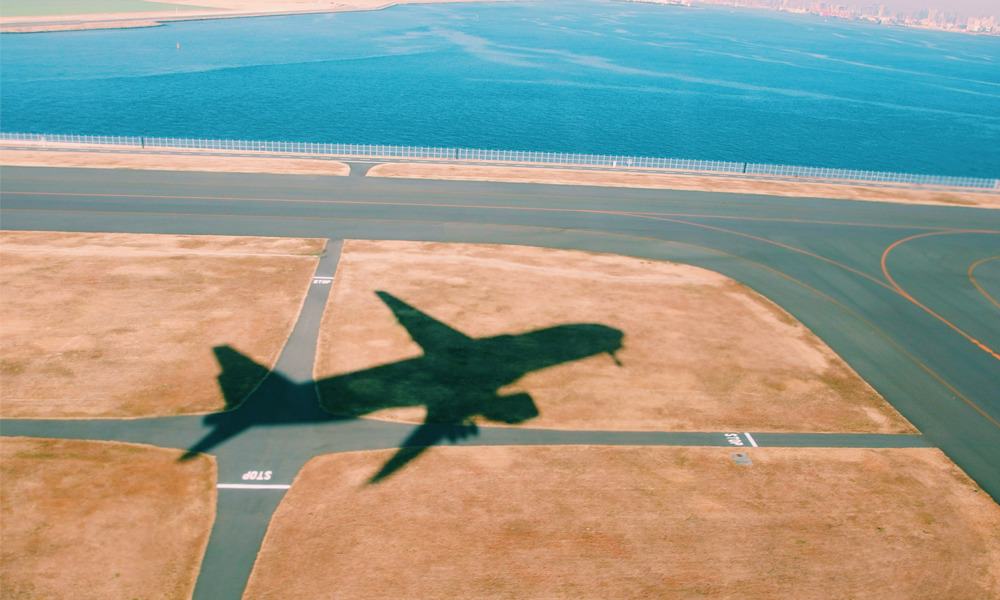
(243, 513)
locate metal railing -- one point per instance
(378, 151)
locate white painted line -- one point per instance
(323, 278)
(253, 486)
(733, 439)
(750, 439)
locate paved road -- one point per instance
(887, 286)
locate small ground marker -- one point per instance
(742, 458)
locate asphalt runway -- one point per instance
(906, 294)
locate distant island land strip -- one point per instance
(20, 16)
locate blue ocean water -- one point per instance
(581, 76)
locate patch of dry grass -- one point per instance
(701, 352)
(100, 520)
(121, 325)
(648, 522)
(192, 161)
(675, 181)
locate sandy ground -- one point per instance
(122, 325)
(613, 522)
(701, 352)
(903, 195)
(130, 24)
(171, 162)
(195, 9)
(101, 520)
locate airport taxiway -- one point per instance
(887, 286)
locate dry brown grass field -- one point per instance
(642, 522)
(121, 325)
(171, 162)
(706, 183)
(98, 520)
(701, 352)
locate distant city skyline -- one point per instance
(914, 8)
(902, 13)
(968, 8)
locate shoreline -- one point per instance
(90, 26)
(134, 20)
(64, 155)
(197, 12)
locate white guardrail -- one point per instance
(377, 151)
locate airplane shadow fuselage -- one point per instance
(457, 380)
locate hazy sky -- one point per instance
(968, 8)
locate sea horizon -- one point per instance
(605, 78)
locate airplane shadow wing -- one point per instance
(213, 438)
(425, 330)
(422, 438)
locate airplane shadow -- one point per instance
(456, 379)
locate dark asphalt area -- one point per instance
(887, 286)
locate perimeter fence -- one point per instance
(378, 151)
